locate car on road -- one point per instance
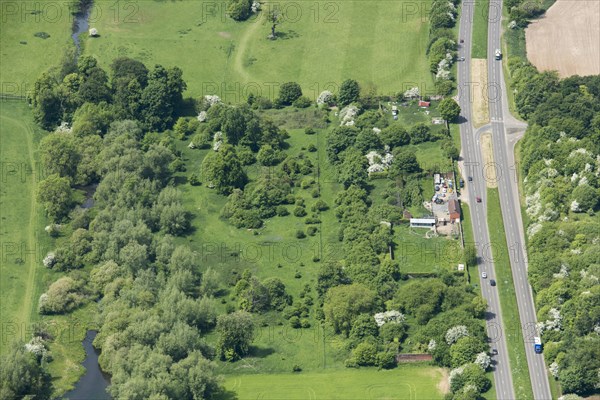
(492, 282)
(462, 40)
(470, 179)
(478, 199)
(494, 352)
(484, 274)
(461, 59)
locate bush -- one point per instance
(295, 322)
(365, 354)
(296, 368)
(312, 220)
(386, 360)
(300, 234)
(282, 211)
(311, 230)
(299, 211)
(349, 92)
(315, 193)
(309, 131)
(194, 180)
(312, 148)
(289, 92)
(320, 205)
(305, 323)
(246, 156)
(298, 275)
(302, 102)
(239, 10)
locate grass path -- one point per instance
(238, 61)
(24, 315)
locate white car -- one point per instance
(484, 274)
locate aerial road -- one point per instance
(505, 133)
(473, 172)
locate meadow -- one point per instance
(24, 55)
(320, 44)
(24, 244)
(405, 382)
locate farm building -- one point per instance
(423, 103)
(454, 210)
(422, 222)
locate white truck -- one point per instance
(498, 54)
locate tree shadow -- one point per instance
(261, 352)
(285, 35)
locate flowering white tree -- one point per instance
(347, 115)
(412, 93)
(454, 373)
(326, 97)
(483, 360)
(455, 333)
(255, 7)
(49, 260)
(432, 345)
(570, 396)
(554, 369)
(211, 100)
(37, 346)
(393, 316)
(202, 116)
(217, 140)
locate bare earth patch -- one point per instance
(481, 112)
(444, 384)
(225, 35)
(489, 169)
(567, 38)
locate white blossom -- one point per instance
(533, 229)
(49, 260)
(554, 369)
(202, 116)
(483, 360)
(347, 115)
(211, 100)
(583, 181)
(512, 24)
(64, 127)
(36, 346)
(412, 93)
(432, 345)
(376, 130)
(455, 333)
(563, 273)
(454, 373)
(575, 206)
(325, 97)
(570, 396)
(255, 7)
(392, 316)
(217, 140)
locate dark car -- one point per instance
(462, 40)
(492, 282)
(478, 199)
(470, 179)
(494, 352)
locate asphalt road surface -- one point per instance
(472, 165)
(505, 132)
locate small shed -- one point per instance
(461, 267)
(454, 210)
(93, 32)
(424, 103)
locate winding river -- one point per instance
(92, 385)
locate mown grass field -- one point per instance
(24, 244)
(405, 382)
(25, 56)
(321, 43)
(508, 299)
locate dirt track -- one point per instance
(567, 38)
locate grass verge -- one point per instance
(480, 29)
(508, 299)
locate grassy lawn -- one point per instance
(25, 56)
(480, 29)
(23, 237)
(321, 43)
(404, 382)
(508, 300)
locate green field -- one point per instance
(404, 382)
(508, 298)
(24, 244)
(321, 44)
(480, 29)
(25, 56)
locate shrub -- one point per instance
(296, 368)
(305, 323)
(309, 131)
(239, 10)
(312, 220)
(311, 230)
(320, 205)
(299, 211)
(365, 354)
(194, 180)
(295, 322)
(386, 360)
(315, 193)
(289, 92)
(312, 148)
(282, 211)
(302, 102)
(300, 234)
(349, 92)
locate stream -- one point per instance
(80, 23)
(92, 385)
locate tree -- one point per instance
(239, 10)
(405, 162)
(353, 170)
(344, 303)
(62, 296)
(449, 109)
(289, 92)
(349, 92)
(274, 17)
(330, 274)
(394, 136)
(586, 196)
(465, 350)
(59, 155)
(269, 156)
(56, 196)
(235, 333)
(420, 133)
(21, 375)
(224, 170)
(450, 150)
